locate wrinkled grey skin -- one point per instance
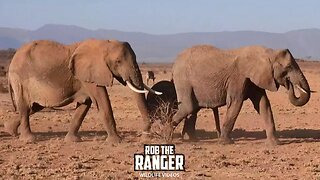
(208, 77)
(49, 74)
(169, 96)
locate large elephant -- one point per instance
(208, 77)
(48, 74)
(162, 108)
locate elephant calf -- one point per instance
(208, 77)
(49, 74)
(164, 106)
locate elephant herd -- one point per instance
(49, 74)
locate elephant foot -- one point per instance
(189, 137)
(29, 137)
(11, 127)
(113, 139)
(72, 138)
(273, 142)
(225, 141)
(218, 134)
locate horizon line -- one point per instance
(173, 33)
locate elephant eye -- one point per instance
(118, 61)
(283, 73)
(286, 65)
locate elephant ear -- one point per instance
(87, 64)
(259, 71)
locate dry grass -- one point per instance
(163, 112)
(162, 115)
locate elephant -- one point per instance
(45, 73)
(2, 71)
(150, 76)
(169, 99)
(208, 77)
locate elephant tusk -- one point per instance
(301, 89)
(135, 89)
(151, 90)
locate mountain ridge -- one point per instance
(303, 43)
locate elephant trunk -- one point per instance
(136, 79)
(142, 106)
(304, 90)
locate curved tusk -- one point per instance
(301, 89)
(135, 89)
(151, 90)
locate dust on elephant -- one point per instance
(164, 106)
(208, 77)
(49, 74)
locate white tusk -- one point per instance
(135, 89)
(301, 89)
(151, 90)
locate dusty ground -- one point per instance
(249, 158)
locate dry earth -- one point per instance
(249, 158)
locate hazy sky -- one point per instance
(164, 16)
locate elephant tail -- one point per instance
(11, 95)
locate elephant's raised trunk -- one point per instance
(304, 91)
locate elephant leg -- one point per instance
(262, 105)
(189, 128)
(185, 104)
(146, 122)
(233, 109)
(105, 112)
(81, 111)
(217, 120)
(25, 131)
(11, 127)
(184, 109)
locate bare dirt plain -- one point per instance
(249, 158)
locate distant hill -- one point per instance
(303, 43)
